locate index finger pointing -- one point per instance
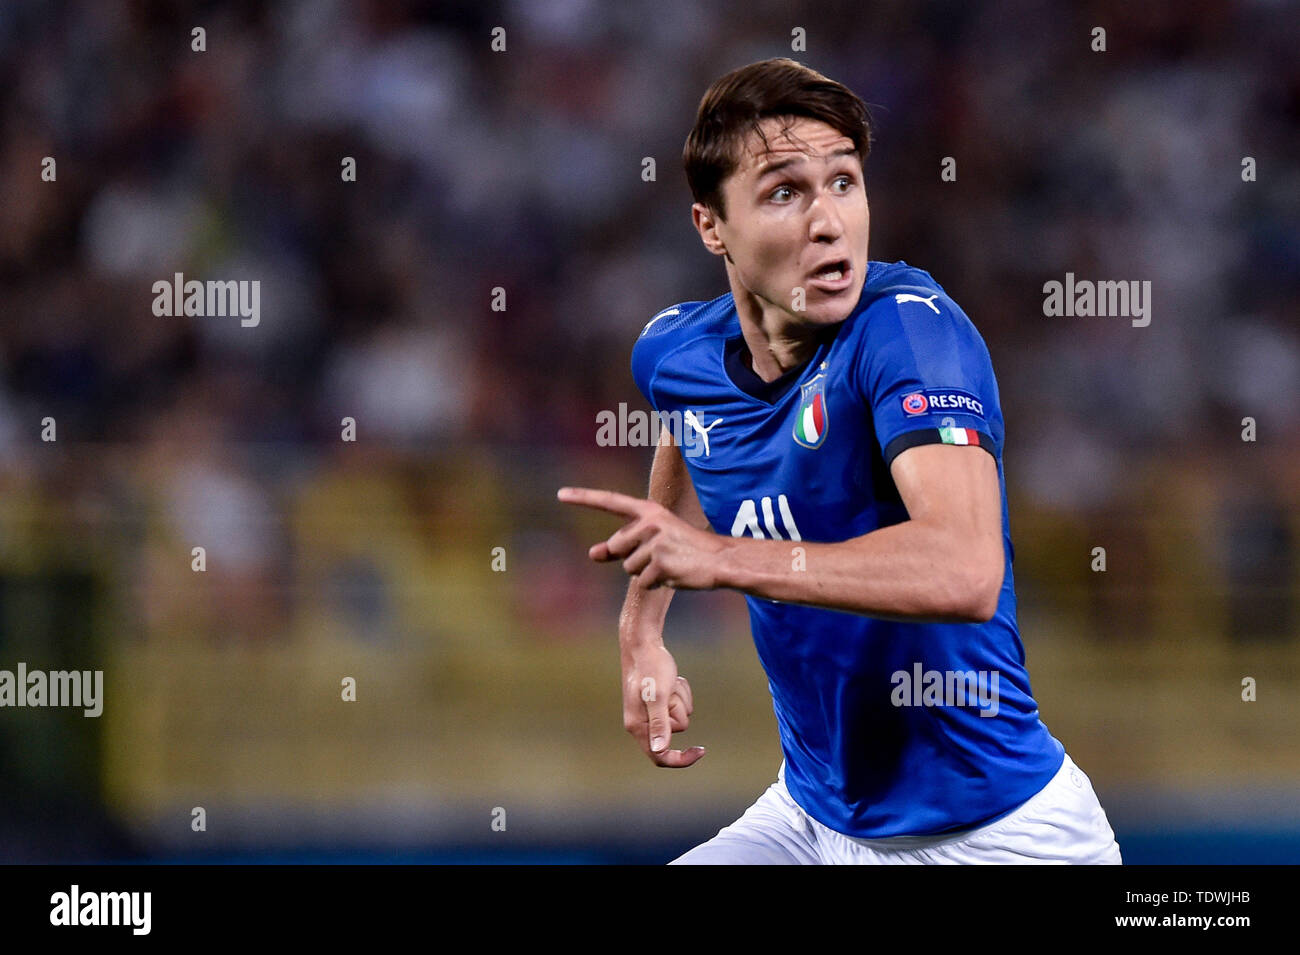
(622, 504)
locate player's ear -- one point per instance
(706, 224)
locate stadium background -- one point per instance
(480, 691)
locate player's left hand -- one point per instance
(657, 547)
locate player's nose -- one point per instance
(824, 222)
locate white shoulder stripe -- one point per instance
(664, 314)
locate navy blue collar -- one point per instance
(748, 381)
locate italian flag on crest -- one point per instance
(810, 420)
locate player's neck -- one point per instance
(774, 344)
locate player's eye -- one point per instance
(847, 180)
(779, 189)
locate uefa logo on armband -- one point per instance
(915, 403)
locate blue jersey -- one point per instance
(888, 728)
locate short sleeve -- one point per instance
(925, 373)
(649, 349)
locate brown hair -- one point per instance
(737, 102)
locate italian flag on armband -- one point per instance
(959, 436)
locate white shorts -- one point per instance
(1062, 824)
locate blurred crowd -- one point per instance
(520, 169)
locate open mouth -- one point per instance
(833, 276)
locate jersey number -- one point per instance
(747, 519)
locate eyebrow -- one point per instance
(782, 163)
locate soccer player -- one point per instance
(847, 448)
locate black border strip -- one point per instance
(912, 439)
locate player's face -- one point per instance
(796, 216)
